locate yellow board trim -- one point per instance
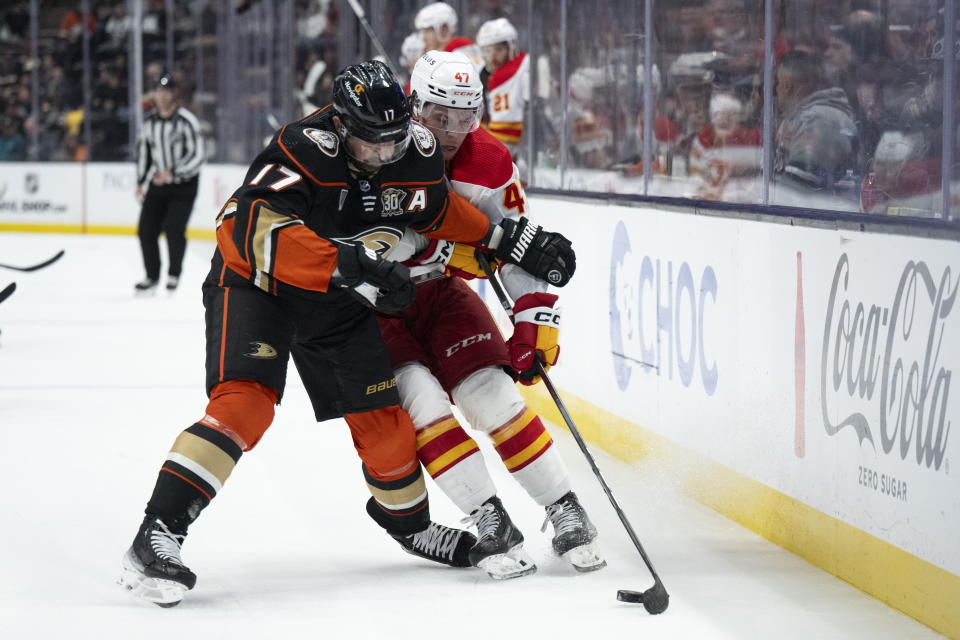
(119, 230)
(901, 580)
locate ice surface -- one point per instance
(96, 384)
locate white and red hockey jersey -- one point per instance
(507, 95)
(484, 173)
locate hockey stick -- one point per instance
(655, 599)
(362, 17)
(45, 263)
(8, 291)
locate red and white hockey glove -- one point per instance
(536, 329)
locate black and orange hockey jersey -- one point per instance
(281, 228)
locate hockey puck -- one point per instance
(656, 601)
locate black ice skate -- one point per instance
(146, 287)
(152, 568)
(574, 536)
(440, 544)
(173, 282)
(499, 549)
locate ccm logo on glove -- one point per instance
(536, 331)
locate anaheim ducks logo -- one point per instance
(380, 240)
(423, 139)
(326, 140)
(262, 351)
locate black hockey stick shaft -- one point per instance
(45, 263)
(505, 302)
(8, 291)
(362, 18)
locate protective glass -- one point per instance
(376, 154)
(450, 119)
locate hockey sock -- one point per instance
(400, 506)
(198, 464)
(453, 460)
(527, 451)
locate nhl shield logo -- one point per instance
(423, 139)
(326, 140)
(391, 201)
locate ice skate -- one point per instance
(440, 544)
(173, 282)
(146, 287)
(152, 568)
(574, 536)
(499, 548)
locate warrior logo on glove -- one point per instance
(543, 254)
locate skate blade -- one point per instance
(163, 593)
(515, 563)
(585, 558)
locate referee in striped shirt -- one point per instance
(169, 155)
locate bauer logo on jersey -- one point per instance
(391, 201)
(423, 139)
(261, 351)
(326, 140)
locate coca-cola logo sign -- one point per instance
(885, 371)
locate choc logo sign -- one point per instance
(657, 313)
(884, 372)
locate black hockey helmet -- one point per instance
(371, 104)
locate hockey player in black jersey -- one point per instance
(300, 264)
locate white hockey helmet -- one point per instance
(449, 80)
(436, 15)
(496, 31)
(411, 49)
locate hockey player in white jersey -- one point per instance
(437, 23)
(506, 81)
(448, 345)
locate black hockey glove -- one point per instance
(543, 254)
(381, 284)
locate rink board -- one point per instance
(795, 379)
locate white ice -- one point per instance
(96, 384)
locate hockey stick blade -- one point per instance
(8, 291)
(45, 263)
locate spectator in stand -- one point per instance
(725, 148)
(506, 82)
(437, 24)
(856, 42)
(590, 132)
(816, 136)
(13, 145)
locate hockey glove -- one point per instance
(381, 284)
(543, 254)
(536, 328)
